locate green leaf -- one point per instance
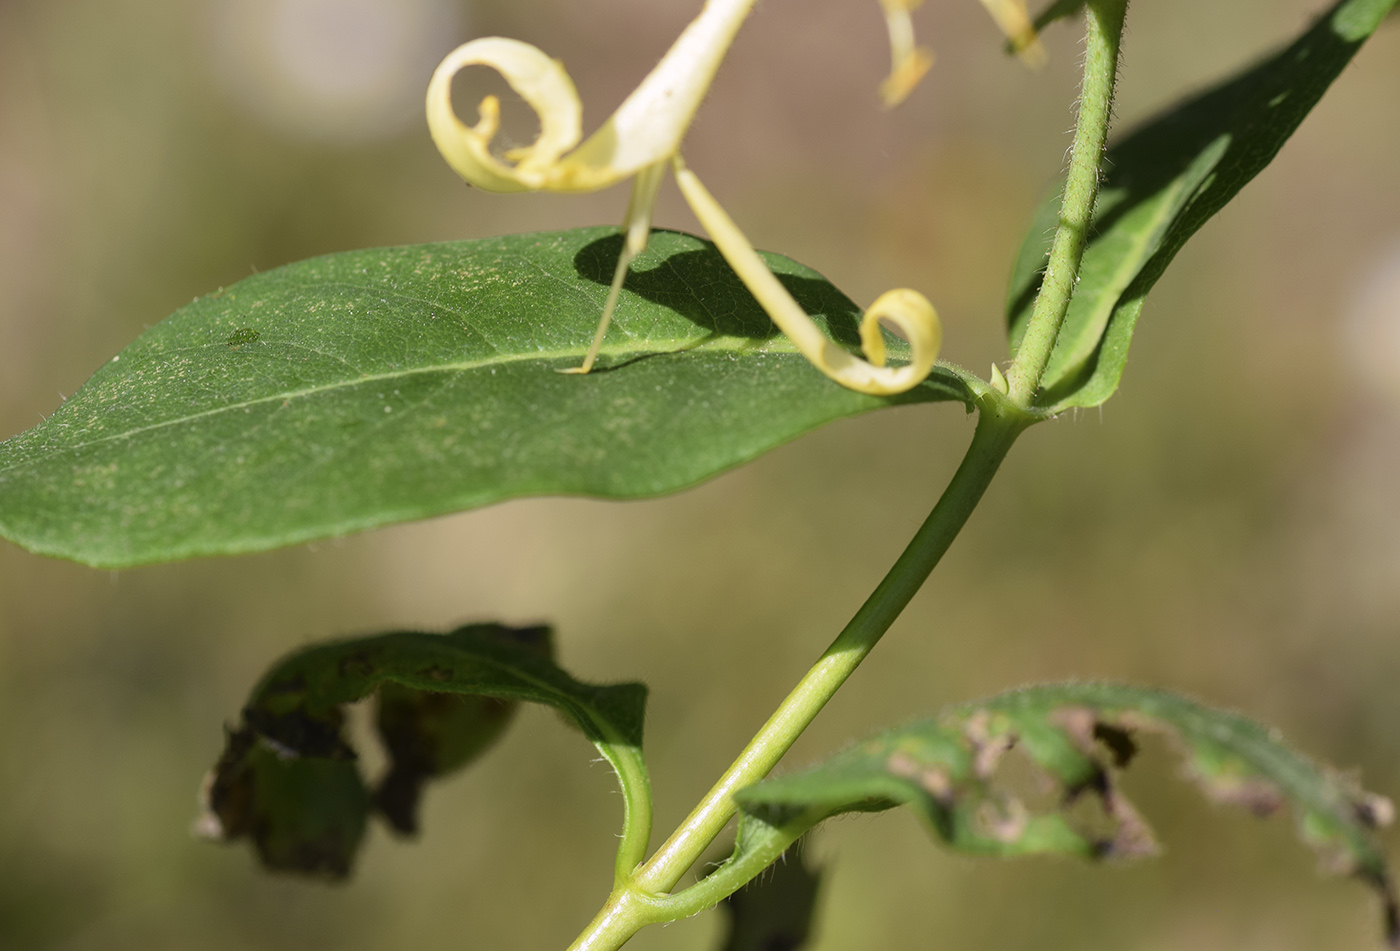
(774, 912)
(1162, 183)
(287, 778)
(373, 387)
(1079, 735)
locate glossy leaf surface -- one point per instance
(1161, 184)
(372, 387)
(1077, 736)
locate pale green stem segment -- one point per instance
(1104, 19)
(636, 816)
(644, 899)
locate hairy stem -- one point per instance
(1104, 31)
(645, 897)
(643, 900)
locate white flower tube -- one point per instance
(645, 133)
(909, 311)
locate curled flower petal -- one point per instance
(646, 129)
(909, 311)
(908, 62)
(540, 81)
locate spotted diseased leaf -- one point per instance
(1161, 184)
(288, 781)
(1076, 738)
(372, 387)
(303, 806)
(427, 736)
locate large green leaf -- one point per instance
(1161, 184)
(372, 387)
(287, 778)
(1078, 735)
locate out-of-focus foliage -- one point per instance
(287, 778)
(1238, 547)
(951, 772)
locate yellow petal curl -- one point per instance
(646, 129)
(539, 80)
(907, 310)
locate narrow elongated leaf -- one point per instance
(372, 387)
(1161, 184)
(1079, 735)
(287, 778)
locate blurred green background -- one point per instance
(1229, 525)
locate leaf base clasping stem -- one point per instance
(645, 899)
(1103, 36)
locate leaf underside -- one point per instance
(1161, 184)
(371, 387)
(288, 781)
(1078, 736)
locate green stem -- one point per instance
(636, 817)
(1104, 25)
(644, 899)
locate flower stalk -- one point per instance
(643, 136)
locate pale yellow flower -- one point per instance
(641, 138)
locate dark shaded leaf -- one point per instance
(774, 912)
(305, 810)
(1075, 737)
(372, 387)
(1162, 183)
(429, 735)
(287, 779)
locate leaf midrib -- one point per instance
(720, 344)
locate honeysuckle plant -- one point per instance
(370, 387)
(644, 136)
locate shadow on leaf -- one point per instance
(702, 287)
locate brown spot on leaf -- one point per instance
(1077, 723)
(1120, 743)
(932, 778)
(1254, 793)
(1133, 838)
(987, 749)
(303, 813)
(1004, 820)
(357, 665)
(428, 735)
